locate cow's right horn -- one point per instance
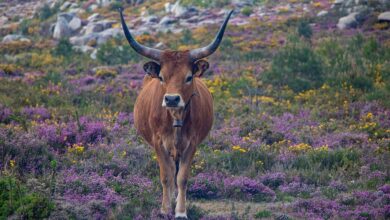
(148, 52)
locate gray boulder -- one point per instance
(96, 27)
(3, 20)
(94, 17)
(150, 19)
(67, 16)
(93, 7)
(65, 6)
(104, 3)
(322, 13)
(167, 21)
(75, 24)
(83, 40)
(83, 49)
(61, 30)
(385, 16)
(14, 37)
(349, 21)
(105, 35)
(168, 7)
(182, 11)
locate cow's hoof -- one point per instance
(179, 215)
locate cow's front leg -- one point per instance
(182, 177)
(167, 178)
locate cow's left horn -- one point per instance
(148, 52)
(200, 53)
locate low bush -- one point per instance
(296, 66)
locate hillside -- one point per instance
(301, 98)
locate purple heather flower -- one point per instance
(5, 113)
(273, 180)
(385, 188)
(244, 187)
(36, 113)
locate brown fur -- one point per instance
(154, 122)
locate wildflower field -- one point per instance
(301, 129)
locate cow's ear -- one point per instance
(200, 67)
(152, 68)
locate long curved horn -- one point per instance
(200, 53)
(148, 52)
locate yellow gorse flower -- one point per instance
(76, 148)
(299, 148)
(239, 148)
(12, 163)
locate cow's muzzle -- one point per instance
(172, 101)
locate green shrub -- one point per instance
(9, 196)
(304, 29)
(63, 48)
(296, 66)
(205, 3)
(113, 53)
(263, 214)
(116, 5)
(24, 25)
(46, 12)
(187, 38)
(247, 11)
(14, 199)
(35, 207)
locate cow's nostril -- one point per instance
(177, 99)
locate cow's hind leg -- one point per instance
(182, 177)
(167, 177)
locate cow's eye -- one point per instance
(161, 79)
(189, 79)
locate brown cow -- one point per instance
(174, 111)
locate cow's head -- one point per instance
(176, 69)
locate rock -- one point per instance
(93, 28)
(61, 30)
(3, 20)
(96, 27)
(67, 16)
(104, 3)
(93, 7)
(338, 2)
(322, 13)
(75, 24)
(385, 16)
(76, 11)
(138, 2)
(242, 3)
(168, 7)
(161, 46)
(74, 5)
(150, 19)
(83, 40)
(65, 6)
(349, 21)
(94, 17)
(14, 37)
(166, 21)
(107, 34)
(83, 48)
(183, 12)
(93, 54)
